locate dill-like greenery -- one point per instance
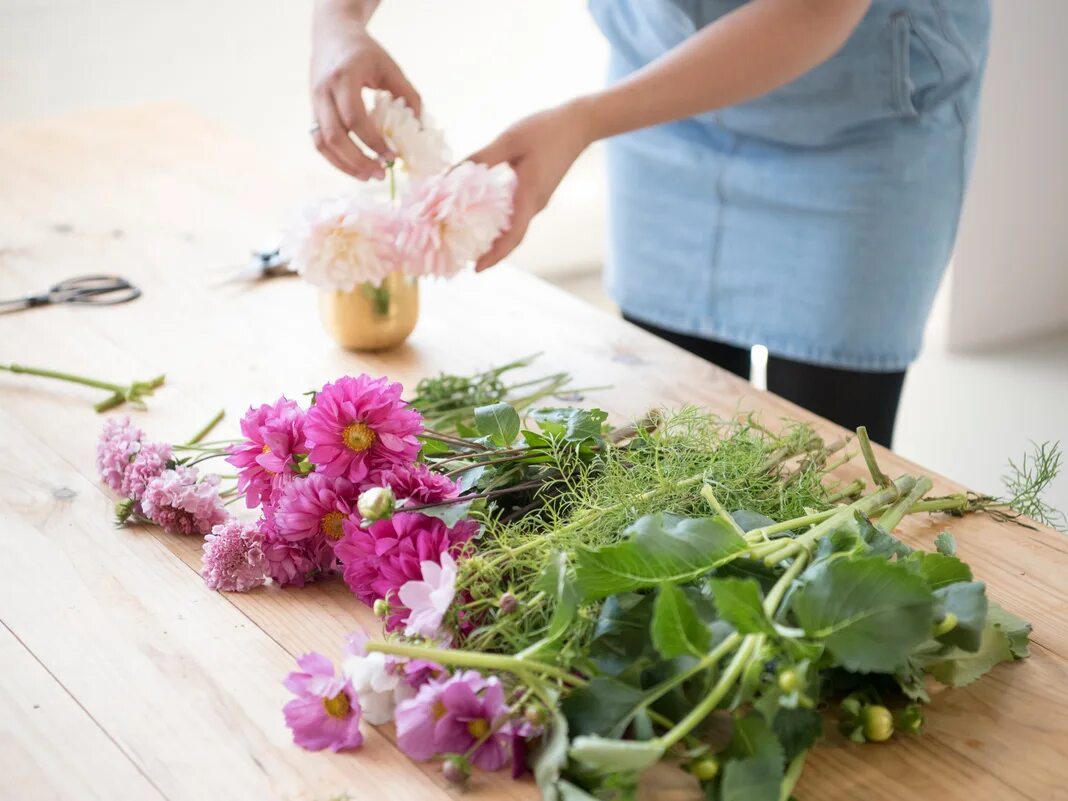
(1028, 480)
(592, 504)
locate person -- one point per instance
(781, 172)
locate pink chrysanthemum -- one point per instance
(233, 557)
(274, 435)
(358, 425)
(294, 564)
(414, 483)
(150, 461)
(315, 506)
(181, 502)
(377, 561)
(451, 219)
(326, 712)
(119, 442)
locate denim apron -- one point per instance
(817, 219)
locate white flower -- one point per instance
(378, 681)
(429, 599)
(343, 243)
(419, 145)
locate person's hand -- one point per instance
(345, 59)
(541, 149)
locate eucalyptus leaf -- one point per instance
(870, 612)
(659, 548)
(498, 421)
(606, 755)
(966, 601)
(739, 603)
(676, 628)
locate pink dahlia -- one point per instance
(118, 444)
(294, 564)
(378, 560)
(151, 460)
(326, 712)
(233, 557)
(451, 219)
(274, 435)
(181, 502)
(415, 483)
(314, 506)
(359, 425)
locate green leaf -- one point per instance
(621, 640)
(747, 521)
(605, 706)
(1016, 629)
(569, 792)
(557, 581)
(754, 771)
(499, 422)
(448, 513)
(966, 600)
(551, 757)
(660, 548)
(871, 613)
(958, 668)
(739, 602)
(573, 425)
(940, 570)
(676, 629)
(946, 544)
(797, 729)
(606, 755)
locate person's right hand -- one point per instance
(345, 59)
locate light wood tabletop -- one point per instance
(124, 677)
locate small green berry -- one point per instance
(878, 723)
(381, 608)
(789, 681)
(706, 768)
(946, 624)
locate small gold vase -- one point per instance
(372, 318)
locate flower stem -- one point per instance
(889, 520)
(877, 475)
(476, 659)
(219, 415)
(74, 379)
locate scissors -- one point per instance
(267, 263)
(89, 290)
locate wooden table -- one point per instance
(123, 677)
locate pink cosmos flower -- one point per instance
(414, 483)
(418, 717)
(326, 712)
(118, 444)
(358, 425)
(182, 502)
(274, 435)
(378, 560)
(315, 506)
(233, 557)
(150, 461)
(451, 219)
(293, 564)
(428, 600)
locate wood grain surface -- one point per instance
(123, 677)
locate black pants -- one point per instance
(848, 397)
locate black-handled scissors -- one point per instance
(90, 290)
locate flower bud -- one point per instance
(455, 770)
(381, 608)
(878, 723)
(789, 681)
(535, 714)
(376, 503)
(508, 603)
(706, 768)
(910, 719)
(945, 625)
(123, 509)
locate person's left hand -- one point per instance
(541, 149)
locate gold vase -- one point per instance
(372, 318)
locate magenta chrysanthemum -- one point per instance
(119, 442)
(181, 502)
(274, 435)
(359, 425)
(294, 564)
(326, 712)
(233, 557)
(150, 461)
(415, 483)
(377, 561)
(315, 506)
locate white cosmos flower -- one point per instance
(379, 683)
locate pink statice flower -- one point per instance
(448, 221)
(359, 425)
(118, 445)
(344, 242)
(294, 564)
(151, 459)
(182, 502)
(378, 560)
(414, 483)
(378, 679)
(428, 600)
(233, 557)
(326, 712)
(315, 506)
(274, 436)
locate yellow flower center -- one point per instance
(266, 448)
(331, 525)
(358, 436)
(479, 728)
(338, 706)
(438, 710)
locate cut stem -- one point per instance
(476, 659)
(219, 415)
(878, 476)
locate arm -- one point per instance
(345, 59)
(777, 41)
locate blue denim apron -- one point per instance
(816, 220)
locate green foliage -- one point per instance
(966, 601)
(945, 543)
(1027, 481)
(605, 706)
(739, 602)
(499, 422)
(676, 628)
(607, 755)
